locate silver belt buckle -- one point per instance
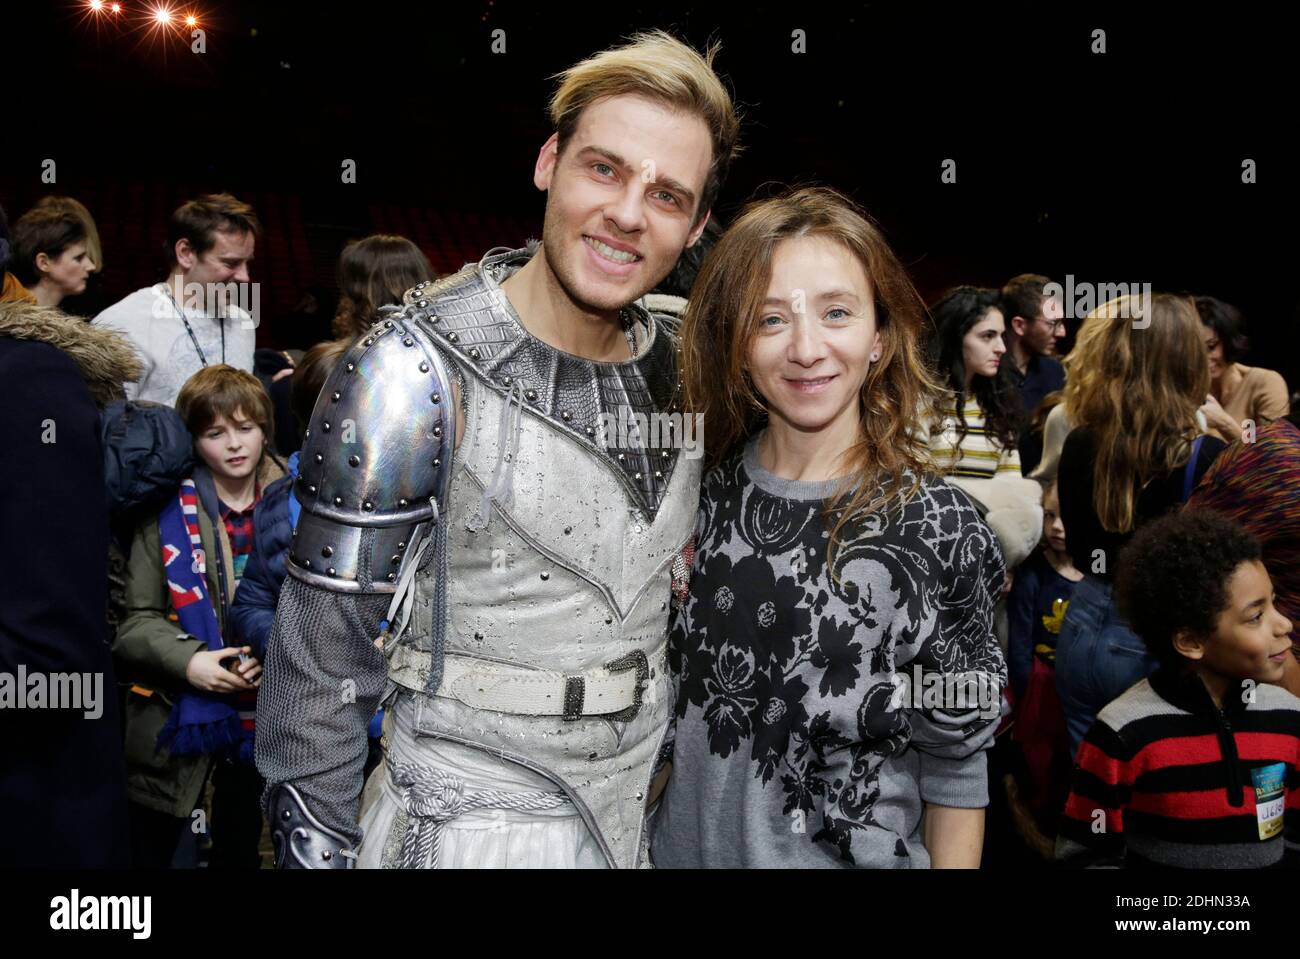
(575, 689)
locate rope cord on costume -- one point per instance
(435, 797)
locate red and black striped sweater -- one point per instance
(1167, 779)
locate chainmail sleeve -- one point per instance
(322, 682)
(374, 471)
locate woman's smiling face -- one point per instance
(816, 333)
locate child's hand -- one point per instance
(206, 672)
(250, 668)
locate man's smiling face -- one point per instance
(622, 198)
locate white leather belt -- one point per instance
(612, 691)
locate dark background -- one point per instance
(1121, 167)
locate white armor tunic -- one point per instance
(554, 559)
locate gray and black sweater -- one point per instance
(810, 729)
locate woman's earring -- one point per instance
(874, 357)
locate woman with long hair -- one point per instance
(373, 272)
(982, 412)
(1135, 452)
(974, 433)
(836, 577)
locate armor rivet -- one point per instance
(325, 427)
(367, 505)
(327, 551)
(591, 431)
(608, 620)
(319, 458)
(478, 636)
(306, 435)
(568, 530)
(306, 564)
(591, 755)
(392, 577)
(658, 475)
(663, 454)
(388, 324)
(293, 535)
(408, 342)
(352, 367)
(401, 545)
(338, 500)
(637, 477)
(531, 395)
(424, 367)
(638, 795)
(435, 398)
(621, 457)
(437, 463)
(638, 529)
(434, 318)
(453, 337)
(508, 380)
(437, 431)
(402, 503)
(286, 815)
(312, 490)
(337, 396)
(473, 354)
(369, 340)
(325, 853)
(354, 460)
(330, 571)
(546, 575)
(566, 416)
(423, 304)
(395, 560)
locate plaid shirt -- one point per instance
(239, 527)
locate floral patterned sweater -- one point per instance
(816, 715)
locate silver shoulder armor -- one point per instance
(375, 460)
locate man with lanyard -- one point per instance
(463, 482)
(191, 320)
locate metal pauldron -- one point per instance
(375, 459)
(301, 841)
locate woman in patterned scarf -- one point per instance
(838, 676)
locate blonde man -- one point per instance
(481, 501)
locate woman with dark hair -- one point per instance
(836, 576)
(50, 254)
(374, 272)
(966, 350)
(974, 435)
(1237, 392)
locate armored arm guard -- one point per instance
(374, 473)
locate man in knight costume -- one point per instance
(489, 531)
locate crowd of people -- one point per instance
(1104, 547)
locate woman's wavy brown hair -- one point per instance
(374, 272)
(1135, 379)
(722, 318)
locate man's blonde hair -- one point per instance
(658, 66)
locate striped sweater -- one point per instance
(979, 456)
(1165, 778)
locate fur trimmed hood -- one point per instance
(106, 358)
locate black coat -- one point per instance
(62, 775)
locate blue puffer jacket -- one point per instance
(253, 611)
